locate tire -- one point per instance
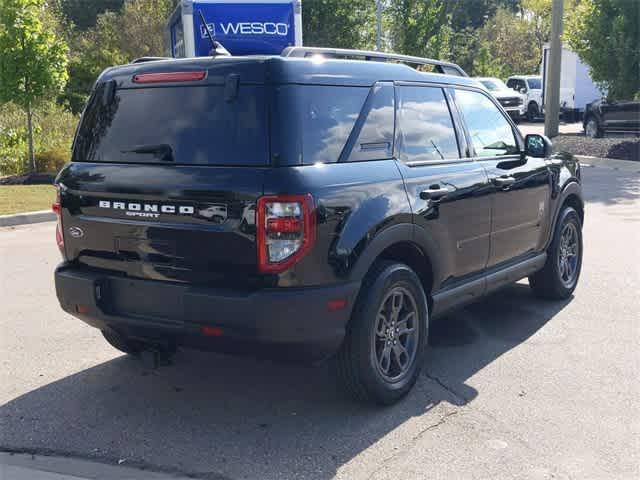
(121, 343)
(553, 281)
(532, 111)
(360, 363)
(592, 128)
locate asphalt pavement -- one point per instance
(513, 387)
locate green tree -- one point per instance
(464, 48)
(538, 15)
(511, 43)
(33, 60)
(137, 30)
(485, 65)
(339, 23)
(83, 14)
(474, 13)
(419, 27)
(606, 36)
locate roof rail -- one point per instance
(149, 59)
(368, 55)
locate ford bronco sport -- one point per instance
(321, 205)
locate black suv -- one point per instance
(603, 116)
(311, 207)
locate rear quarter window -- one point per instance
(327, 115)
(312, 123)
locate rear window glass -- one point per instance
(181, 125)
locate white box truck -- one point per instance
(576, 86)
(243, 27)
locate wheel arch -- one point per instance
(571, 196)
(574, 201)
(398, 243)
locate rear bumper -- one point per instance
(290, 323)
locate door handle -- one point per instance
(434, 193)
(504, 182)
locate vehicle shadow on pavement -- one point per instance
(463, 343)
(597, 186)
(216, 416)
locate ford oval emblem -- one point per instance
(76, 232)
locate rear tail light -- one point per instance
(286, 230)
(57, 209)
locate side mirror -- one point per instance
(523, 90)
(537, 146)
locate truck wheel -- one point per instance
(558, 278)
(532, 111)
(121, 343)
(592, 128)
(383, 351)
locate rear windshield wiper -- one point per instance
(161, 151)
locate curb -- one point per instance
(17, 466)
(27, 218)
(626, 165)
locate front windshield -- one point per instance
(534, 83)
(494, 84)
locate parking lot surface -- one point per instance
(513, 387)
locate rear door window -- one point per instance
(426, 131)
(179, 125)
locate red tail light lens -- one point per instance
(164, 77)
(57, 209)
(286, 230)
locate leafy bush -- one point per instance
(54, 128)
(13, 140)
(51, 161)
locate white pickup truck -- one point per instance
(531, 87)
(512, 102)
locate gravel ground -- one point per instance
(621, 148)
(573, 140)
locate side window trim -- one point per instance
(465, 146)
(514, 130)
(419, 163)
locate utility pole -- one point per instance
(378, 25)
(552, 88)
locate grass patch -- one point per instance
(26, 198)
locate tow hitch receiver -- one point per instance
(154, 358)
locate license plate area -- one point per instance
(145, 299)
